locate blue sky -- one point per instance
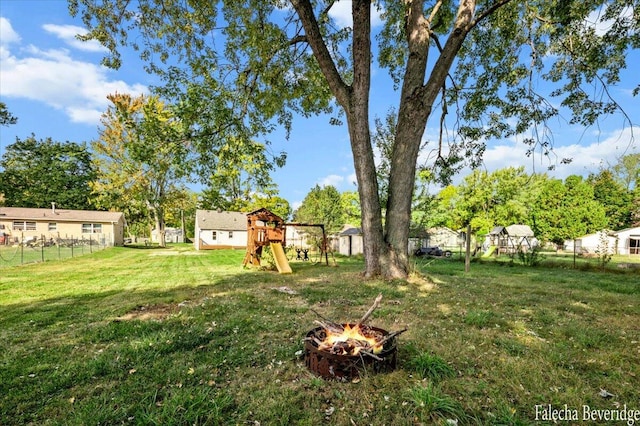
(57, 88)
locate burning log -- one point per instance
(351, 339)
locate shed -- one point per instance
(17, 223)
(217, 229)
(442, 236)
(350, 241)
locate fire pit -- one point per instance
(345, 360)
(343, 351)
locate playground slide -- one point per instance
(281, 259)
(489, 251)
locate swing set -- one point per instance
(303, 253)
(266, 228)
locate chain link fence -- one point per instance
(31, 249)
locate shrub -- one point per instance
(531, 257)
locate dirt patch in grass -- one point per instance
(150, 313)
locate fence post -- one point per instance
(22, 247)
(42, 248)
(58, 241)
(72, 244)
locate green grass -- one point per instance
(174, 336)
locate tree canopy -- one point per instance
(242, 67)
(140, 158)
(36, 173)
(6, 118)
(322, 205)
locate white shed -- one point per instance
(350, 241)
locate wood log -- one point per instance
(375, 305)
(391, 336)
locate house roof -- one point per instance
(629, 230)
(520, 231)
(221, 220)
(59, 215)
(441, 230)
(497, 230)
(351, 231)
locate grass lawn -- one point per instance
(174, 336)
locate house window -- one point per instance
(230, 234)
(53, 226)
(24, 226)
(91, 228)
(214, 235)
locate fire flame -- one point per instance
(351, 340)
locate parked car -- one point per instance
(432, 251)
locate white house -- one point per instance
(625, 241)
(220, 229)
(629, 241)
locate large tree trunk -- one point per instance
(416, 104)
(386, 254)
(357, 111)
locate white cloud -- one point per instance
(68, 33)
(585, 158)
(601, 25)
(55, 78)
(352, 179)
(7, 34)
(331, 180)
(341, 13)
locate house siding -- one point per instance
(222, 223)
(61, 224)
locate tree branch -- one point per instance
(314, 37)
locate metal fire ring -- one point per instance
(347, 367)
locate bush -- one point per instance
(531, 257)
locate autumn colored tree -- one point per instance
(275, 58)
(140, 158)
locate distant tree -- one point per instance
(140, 158)
(567, 210)
(182, 210)
(322, 205)
(36, 173)
(350, 204)
(627, 171)
(511, 189)
(6, 119)
(273, 203)
(235, 173)
(475, 202)
(615, 198)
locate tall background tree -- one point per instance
(322, 205)
(6, 119)
(36, 173)
(277, 60)
(141, 158)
